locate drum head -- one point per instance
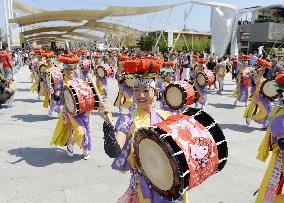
(101, 72)
(268, 91)
(156, 164)
(174, 97)
(201, 79)
(69, 101)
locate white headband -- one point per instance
(148, 82)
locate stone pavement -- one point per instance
(33, 171)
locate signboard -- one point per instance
(245, 36)
(15, 35)
(275, 32)
(170, 39)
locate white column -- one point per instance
(7, 24)
(11, 9)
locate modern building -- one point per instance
(266, 28)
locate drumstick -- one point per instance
(108, 115)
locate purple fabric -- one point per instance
(174, 76)
(243, 94)
(147, 192)
(123, 123)
(203, 92)
(277, 128)
(128, 90)
(104, 81)
(120, 162)
(85, 76)
(55, 106)
(83, 120)
(267, 106)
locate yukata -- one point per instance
(80, 126)
(241, 92)
(124, 97)
(139, 190)
(34, 75)
(272, 182)
(202, 94)
(86, 76)
(259, 107)
(55, 106)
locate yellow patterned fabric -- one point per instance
(263, 150)
(263, 153)
(78, 134)
(46, 102)
(279, 199)
(60, 134)
(267, 175)
(33, 87)
(100, 87)
(261, 114)
(41, 89)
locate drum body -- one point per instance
(267, 91)
(207, 77)
(246, 78)
(104, 71)
(80, 98)
(179, 93)
(179, 154)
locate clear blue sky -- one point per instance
(199, 18)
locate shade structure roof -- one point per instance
(28, 9)
(80, 15)
(91, 25)
(75, 34)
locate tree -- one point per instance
(147, 42)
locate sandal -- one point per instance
(87, 156)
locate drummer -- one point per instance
(124, 97)
(243, 81)
(118, 138)
(259, 107)
(102, 83)
(85, 69)
(55, 103)
(174, 60)
(167, 77)
(272, 184)
(201, 91)
(71, 130)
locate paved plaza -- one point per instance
(33, 171)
